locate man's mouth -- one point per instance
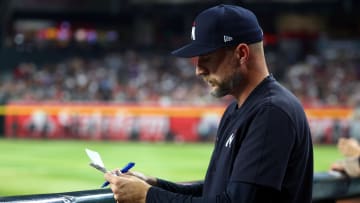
(211, 83)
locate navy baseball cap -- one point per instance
(221, 26)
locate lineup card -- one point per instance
(95, 157)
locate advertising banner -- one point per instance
(150, 123)
(112, 122)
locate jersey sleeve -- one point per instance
(194, 189)
(235, 192)
(265, 151)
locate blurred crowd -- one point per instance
(127, 77)
(330, 78)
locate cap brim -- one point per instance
(192, 50)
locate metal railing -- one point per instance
(327, 188)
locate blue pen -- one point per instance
(123, 170)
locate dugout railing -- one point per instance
(328, 187)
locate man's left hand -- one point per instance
(127, 188)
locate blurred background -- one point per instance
(98, 71)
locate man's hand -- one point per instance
(127, 188)
(150, 180)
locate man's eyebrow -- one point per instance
(206, 55)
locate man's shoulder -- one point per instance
(283, 98)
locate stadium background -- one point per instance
(77, 74)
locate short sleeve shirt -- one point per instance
(267, 142)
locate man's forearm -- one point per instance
(236, 192)
(194, 189)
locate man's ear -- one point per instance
(242, 53)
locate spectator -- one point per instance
(350, 148)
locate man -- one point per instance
(263, 150)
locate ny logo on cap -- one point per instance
(193, 32)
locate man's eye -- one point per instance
(204, 58)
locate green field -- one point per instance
(38, 167)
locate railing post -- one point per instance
(327, 188)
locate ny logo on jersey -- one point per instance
(229, 140)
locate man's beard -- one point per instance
(227, 86)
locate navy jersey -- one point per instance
(265, 143)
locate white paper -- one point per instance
(95, 157)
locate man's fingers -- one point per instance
(110, 177)
(115, 179)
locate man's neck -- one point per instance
(250, 85)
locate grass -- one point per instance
(40, 166)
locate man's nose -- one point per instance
(199, 70)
